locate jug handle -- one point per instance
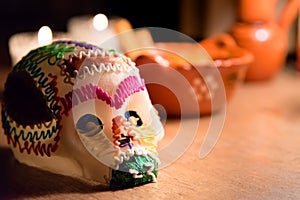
(288, 14)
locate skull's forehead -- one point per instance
(53, 71)
(71, 61)
(80, 51)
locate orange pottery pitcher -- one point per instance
(258, 30)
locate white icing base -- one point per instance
(77, 155)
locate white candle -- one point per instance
(21, 43)
(97, 30)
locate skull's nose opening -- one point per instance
(23, 101)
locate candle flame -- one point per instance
(44, 35)
(100, 22)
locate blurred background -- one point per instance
(196, 18)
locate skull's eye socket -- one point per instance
(134, 118)
(24, 102)
(89, 125)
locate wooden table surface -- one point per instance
(256, 157)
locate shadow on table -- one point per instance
(19, 180)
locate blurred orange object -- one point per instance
(231, 59)
(258, 30)
(194, 64)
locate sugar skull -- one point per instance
(75, 109)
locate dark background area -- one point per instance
(195, 18)
(29, 15)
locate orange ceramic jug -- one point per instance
(258, 30)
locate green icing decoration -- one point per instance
(59, 49)
(115, 51)
(53, 53)
(123, 179)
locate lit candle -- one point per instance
(21, 43)
(97, 30)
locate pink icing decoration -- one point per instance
(126, 88)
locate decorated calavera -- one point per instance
(75, 109)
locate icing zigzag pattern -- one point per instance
(37, 142)
(90, 70)
(120, 63)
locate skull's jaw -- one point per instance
(137, 170)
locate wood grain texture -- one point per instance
(256, 157)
